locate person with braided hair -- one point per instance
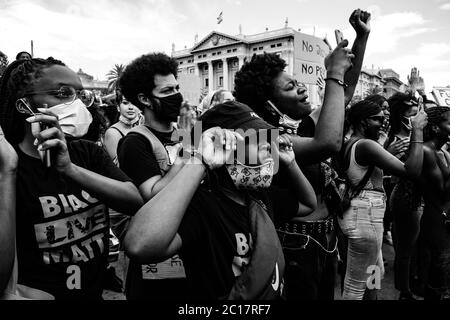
(64, 187)
(435, 181)
(364, 160)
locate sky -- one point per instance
(95, 35)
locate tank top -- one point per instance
(356, 173)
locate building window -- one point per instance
(220, 65)
(261, 48)
(181, 62)
(235, 63)
(200, 56)
(213, 53)
(234, 50)
(279, 44)
(204, 56)
(229, 50)
(191, 70)
(206, 82)
(220, 81)
(220, 52)
(254, 49)
(272, 46)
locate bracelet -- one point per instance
(416, 142)
(340, 82)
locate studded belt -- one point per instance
(309, 228)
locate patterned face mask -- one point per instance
(252, 178)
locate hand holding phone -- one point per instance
(339, 36)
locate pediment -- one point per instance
(215, 39)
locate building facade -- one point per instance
(383, 81)
(217, 58)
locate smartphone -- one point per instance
(45, 157)
(339, 36)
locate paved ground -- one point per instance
(387, 291)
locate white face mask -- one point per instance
(74, 118)
(252, 178)
(285, 120)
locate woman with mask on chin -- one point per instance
(365, 159)
(406, 204)
(63, 188)
(130, 117)
(215, 212)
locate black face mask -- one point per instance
(168, 108)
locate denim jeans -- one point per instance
(362, 223)
(310, 272)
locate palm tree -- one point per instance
(114, 75)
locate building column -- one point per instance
(197, 70)
(241, 61)
(225, 74)
(210, 76)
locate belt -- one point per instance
(322, 227)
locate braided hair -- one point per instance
(254, 82)
(435, 116)
(18, 77)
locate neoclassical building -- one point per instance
(217, 58)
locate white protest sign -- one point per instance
(309, 57)
(442, 96)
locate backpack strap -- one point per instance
(159, 150)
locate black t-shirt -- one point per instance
(62, 231)
(216, 243)
(136, 158)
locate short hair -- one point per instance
(254, 83)
(139, 75)
(18, 77)
(22, 52)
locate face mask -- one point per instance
(252, 178)
(130, 123)
(407, 123)
(169, 107)
(285, 120)
(74, 118)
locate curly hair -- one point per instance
(435, 116)
(139, 75)
(254, 82)
(19, 76)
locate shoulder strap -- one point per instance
(366, 177)
(159, 150)
(347, 149)
(120, 132)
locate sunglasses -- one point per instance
(411, 103)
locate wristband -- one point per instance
(340, 82)
(416, 142)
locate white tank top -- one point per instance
(356, 173)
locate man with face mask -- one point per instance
(216, 211)
(148, 155)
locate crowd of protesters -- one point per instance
(248, 196)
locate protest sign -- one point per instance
(309, 57)
(442, 96)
